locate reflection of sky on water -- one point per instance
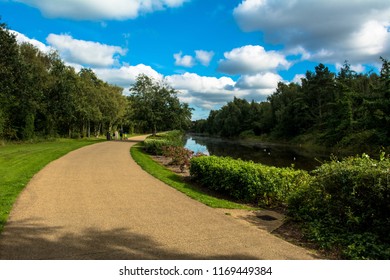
(197, 148)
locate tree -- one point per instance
(41, 96)
(60, 102)
(319, 90)
(32, 88)
(290, 110)
(155, 106)
(9, 77)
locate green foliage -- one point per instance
(154, 145)
(343, 205)
(347, 206)
(236, 117)
(247, 181)
(42, 97)
(176, 181)
(156, 107)
(337, 108)
(179, 155)
(174, 136)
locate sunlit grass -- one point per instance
(20, 162)
(176, 181)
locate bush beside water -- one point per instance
(155, 144)
(347, 206)
(247, 181)
(343, 206)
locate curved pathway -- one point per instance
(97, 203)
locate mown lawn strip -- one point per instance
(172, 179)
(20, 162)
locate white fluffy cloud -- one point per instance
(211, 92)
(21, 38)
(202, 91)
(100, 9)
(267, 81)
(126, 75)
(186, 60)
(204, 57)
(85, 52)
(373, 38)
(251, 60)
(330, 30)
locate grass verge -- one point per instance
(20, 162)
(176, 181)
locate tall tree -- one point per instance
(155, 105)
(319, 89)
(10, 67)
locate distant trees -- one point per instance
(156, 107)
(346, 109)
(40, 96)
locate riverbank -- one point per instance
(301, 152)
(252, 149)
(310, 142)
(97, 203)
(327, 202)
(275, 221)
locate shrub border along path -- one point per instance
(97, 203)
(176, 181)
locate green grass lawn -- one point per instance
(19, 163)
(174, 180)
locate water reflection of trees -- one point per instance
(274, 155)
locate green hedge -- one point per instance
(347, 206)
(247, 181)
(343, 205)
(154, 144)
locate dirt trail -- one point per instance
(97, 203)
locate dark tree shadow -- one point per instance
(28, 240)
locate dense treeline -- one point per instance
(40, 96)
(331, 109)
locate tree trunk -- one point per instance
(154, 130)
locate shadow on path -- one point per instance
(35, 241)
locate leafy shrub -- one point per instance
(154, 144)
(347, 205)
(247, 134)
(179, 155)
(247, 181)
(363, 140)
(174, 136)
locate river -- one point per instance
(278, 155)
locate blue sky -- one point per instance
(209, 50)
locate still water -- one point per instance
(270, 154)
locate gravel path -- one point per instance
(97, 203)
